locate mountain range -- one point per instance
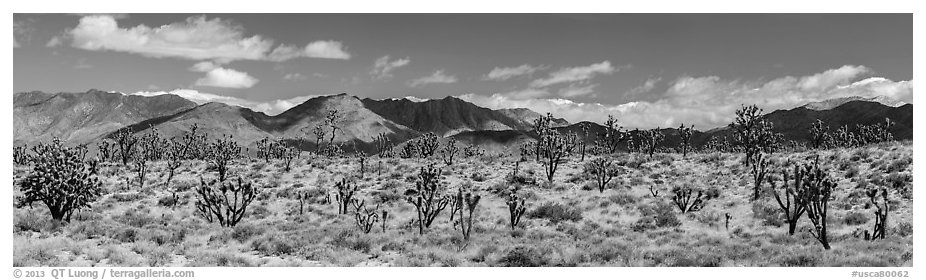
(93, 115)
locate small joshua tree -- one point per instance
(409, 150)
(468, 200)
(791, 188)
(427, 145)
(141, 164)
(225, 202)
(585, 128)
(126, 142)
(332, 119)
(552, 147)
(819, 135)
(20, 155)
(105, 150)
(685, 134)
(816, 196)
(686, 201)
(345, 195)
(383, 146)
(365, 218)
(603, 170)
(319, 132)
(881, 210)
(449, 150)
(427, 197)
(289, 155)
(759, 171)
(60, 179)
(650, 140)
(613, 135)
(516, 208)
(221, 153)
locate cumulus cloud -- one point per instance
(710, 102)
(382, 67)
(317, 49)
(294, 77)
(575, 74)
(54, 42)
(504, 73)
(647, 86)
(197, 38)
(438, 77)
(270, 107)
(226, 78)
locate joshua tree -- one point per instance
(683, 199)
(516, 208)
(332, 120)
(345, 195)
(141, 164)
(470, 201)
(364, 217)
(126, 142)
(427, 144)
(289, 155)
(792, 189)
(613, 135)
(603, 170)
(880, 213)
(585, 127)
(221, 153)
(818, 134)
(427, 197)
(21, 156)
(751, 132)
(224, 202)
(449, 150)
(383, 145)
(816, 196)
(319, 132)
(759, 170)
(552, 147)
(61, 179)
(650, 140)
(685, 134)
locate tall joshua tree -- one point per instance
(685, 134)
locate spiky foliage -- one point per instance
(141, 164)
(332, 120)
(472, 151)
(686, 199)
(602, 170)
(427, 196)
(21, 155)
(792, 190)
(819, 134)
(365, 218)
(345, 195)
(221, 153)
(383, 145)
(751, 133)
(126, 142)
(468, 202)
(319, 132)
(516, 207)
(289, 155)
(61, 179)
(552, 146)
(224, 202)
(650, 140)
(105, 150)
(716, 144)
(816, 196)
(613, 136)
(362, 159)
(759, 171)
(427, 145)
(193, 144)
(684, 134)
(449, 150)
(409, 150)
(881, 210)
(152, 145)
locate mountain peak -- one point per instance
(836, 102)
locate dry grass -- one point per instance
(567, 223)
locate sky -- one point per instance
(649, 70)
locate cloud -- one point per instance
(711, 101)
(54, 42)
(197, 38)
(270, 107)
(22, 32)
(294, 77)
(647, 86)
(317, 49)
(575, 74)
(575, 90)
(382, 67)
(501, 74)
(438, 77)
(203, 66)
(226, 78)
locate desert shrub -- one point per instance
(245, 231)
(523, 256)
(30, 221)
(478, 177)
(656, 215)
(623, 199)
(855, 218)
(852, 171)
(768, 214)
(904, 229)
(275, 245)
(555, 212)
